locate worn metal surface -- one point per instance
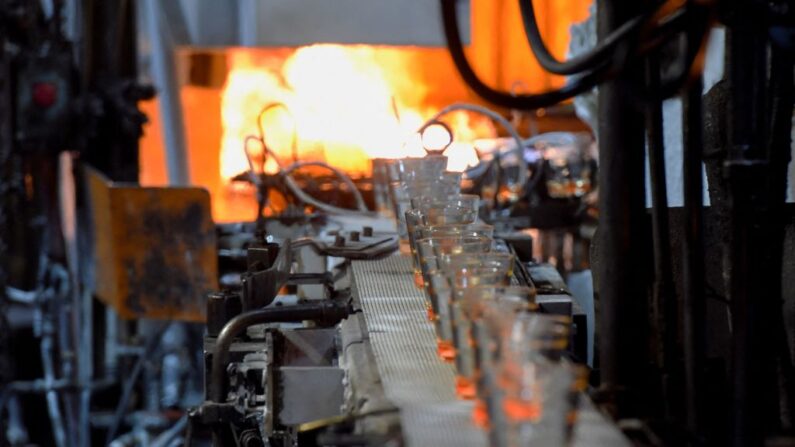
(310, 393)
(364, 390)
(413, 376)
(154, 249)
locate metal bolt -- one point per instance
(367, 231)
(354, 236)
(339, 241)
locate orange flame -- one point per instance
(347, 105)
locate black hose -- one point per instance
(588, 79)
(325, 313)
(519, 102)
(588, 61)
(694, 306)
(664, 298)
(621, 270)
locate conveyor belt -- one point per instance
(413, 376)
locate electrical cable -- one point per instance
(261, 129)
(289, 181)
(586, 81)
(520, 102)
(293, 186)
(341, 175)
(588, 61)
(512, 132)
(254, 178)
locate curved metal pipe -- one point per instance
(326, 313)
(485, 111)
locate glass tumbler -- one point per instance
(532, 345)
(440, 294)
(466, 311)
(491, 315)
(404, 191)
(541, 403)
(412, 167)
(434, 199)
(477, 263)
(429, 249)
(417, 232)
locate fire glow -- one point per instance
(345, 105)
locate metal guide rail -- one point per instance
(415, 379)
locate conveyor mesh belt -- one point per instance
(413, 376)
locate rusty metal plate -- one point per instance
(155, 252)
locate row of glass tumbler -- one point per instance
(508, 358)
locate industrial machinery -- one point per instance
(263, 297)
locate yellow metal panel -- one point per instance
(154, 248)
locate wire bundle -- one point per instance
(286, 172)
(637, 37)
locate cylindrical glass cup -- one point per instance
(408, 168)
(434, 199)
(543, 335)
(460, 328)
(530, 340)
(438, 197)
(455, 230)
(403, 192)
(475, 263)
(381, 180)
(414, 220)
(541, 404)
(429, 249)
(468, 305)
(489, 316)
(439, 293)
(452, 230)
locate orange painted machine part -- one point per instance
(155, 252)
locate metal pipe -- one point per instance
(622, 264)
(53, 406)
(694, 306)
(664, 298)
(80, 296)
(782, 100)
(164, 74)
(325, 312)
(744, 171)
